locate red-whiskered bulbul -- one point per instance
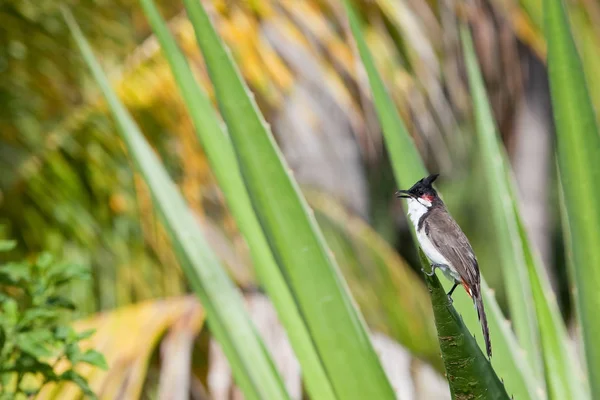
(445, 244)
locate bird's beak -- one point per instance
(404, 194)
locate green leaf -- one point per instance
(28, 364)
(508, 361)
(85, 334)
(408, 168)
(79, 380)
(35, 343)
(2, 338)
(220, 153)
(61, 302)
(9, 280)
(10, 312)
(564, 377)
(469, 372)
(62, 273)
(229, 323)
(36, 317)
(560, 367)
(94, 358)
(16, 272)
(294, 237)
(72, 352)
(578, 148)
(64, 333)
(389, 293)
(507, 245)
(7, 245)
(44, 260)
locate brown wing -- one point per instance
(452, 243)
(455, 248)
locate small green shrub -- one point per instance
(35, 334)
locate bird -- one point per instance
(445, 245)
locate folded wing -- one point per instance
(452, 243)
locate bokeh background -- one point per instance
(67, 184)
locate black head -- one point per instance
(421, 190)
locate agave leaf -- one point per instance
(508, 245)
(338, 330)
(408, 168)
(508, 361)
(559, 366)
(218, 148)
(564, 377)
(229, 322)
(470, 374)
(578, 148)
(389, 293)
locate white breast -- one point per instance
(416, 209)
(429, 249)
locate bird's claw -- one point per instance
(429, 273)
(450, 299)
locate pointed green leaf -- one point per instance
(44, 261)
(229, 323)
(469, 372)
(35, 317)
(7, 245)
(407, 164)
(35, 343)
(63, 273)
(389, 293)
(94, 358)
(85, 334)
(61, 302)
(221, 156)
(508, 361)
(72, 352)
(79, 380)
(578, 147)
(17, 273)
(29, 364)
(508, 246)
(65, 333)
(564, 377)
(559, 366)
(10, 311)
(338, 330)
(2, 338)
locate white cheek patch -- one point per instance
(426, 203)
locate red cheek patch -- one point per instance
(427, 197)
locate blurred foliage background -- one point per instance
(67, 185)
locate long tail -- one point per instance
(483, 320)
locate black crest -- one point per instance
(429, 180)
(420, 188)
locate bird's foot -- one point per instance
(452, 291)
(433, 267)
